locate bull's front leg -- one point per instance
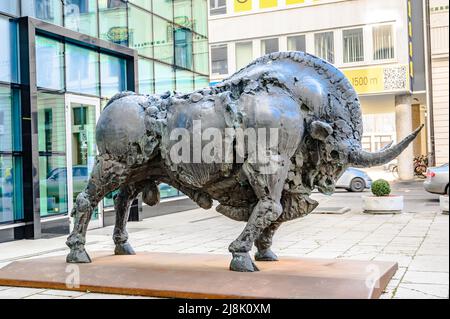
(268, 186)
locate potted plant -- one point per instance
(443, 203)
(382, 202)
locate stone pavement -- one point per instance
(418, 239)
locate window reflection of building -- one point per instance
(116, 4)
(183, 47)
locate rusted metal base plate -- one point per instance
(204, 276)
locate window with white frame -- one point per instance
(217, 7)
(269, 46)
(383, 42)
(324, 45)
(219, 59)
(353, 45)
(296, 43)
(244, 54)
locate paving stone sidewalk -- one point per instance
(418, 239)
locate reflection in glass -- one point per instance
(146, 4)
(167, 191)
(82, 70)
(165, 78)
(47, 10)
(163, 40)
(184, 81)
(269, 46)
(183, 47)
(200, 10)
(10, 6)
(113, 21)
(52, 151)
(10, 209)
(163, 8)
(140, 31)
(113, 75)
(49, 63)
(201, 82)
(201, 59)
(81, 16)
(8, 51)
(146, 78)
(183, 13)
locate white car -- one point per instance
(354, 180)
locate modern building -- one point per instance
(379, 45)
(439, 79)
(60, 62)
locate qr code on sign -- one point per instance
(395, 78)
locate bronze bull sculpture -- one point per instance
(311, 106)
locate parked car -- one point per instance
(437, 180)
(354, 180)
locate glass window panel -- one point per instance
(219, 59)
(140, 31)
(47, 10)
(163, 40)
(383, 42)
(353, 45)
(113, 75)
(201, 82)
(53, 184)
(8, 51)
(183, 47)
(184, 81)
(108, 201)
(244, 54)
(10, 189)
(50, 63)
(113, 21)
(10, 6)
(146, 77)
(183, 13)
(296, 43)
(200, 18)
(166, 191)
(163, 8)
(82, 70)
(51, 123)
(324, 46)
(269, 46)
(217, 7)
(81, 16)
(146, 4)
(164, 78)
(201, 54)
(10, 137)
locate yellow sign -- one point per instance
(379, 79)
(288, 2)
(242, 5)
(267, 3)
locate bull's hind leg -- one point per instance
(122, 204)
(264, 242)
(268, 187)
(106, 176)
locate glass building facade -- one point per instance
(74, 80)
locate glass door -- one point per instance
(81, 118)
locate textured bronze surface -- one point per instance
(205, 276)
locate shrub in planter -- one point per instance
(381, 188)
(382, 201)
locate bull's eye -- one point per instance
(334, 155)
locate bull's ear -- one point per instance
(320, 130)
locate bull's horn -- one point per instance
(361, 158)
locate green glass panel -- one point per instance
(140, 31)
(81, 16)
(47, 10)
(53, 184)
(6, 189)
(108, 201)
(200, 16)
(201, 82)
(51, 123)
(49, 63)
(183, 47)
(113, 75)
(163, 40)
(166, 191)
(6, 120)
(146, 77)
(201, 55)
(183, 13)
(163, 8)
(146, 4)
(184, 81)
(113, 21)
(164, 78)
(82, 70)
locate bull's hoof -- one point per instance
(266, 255)
(78, 256)
(243, 263)
(124, 249)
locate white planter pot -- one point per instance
(443, 202)
(382, 204)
